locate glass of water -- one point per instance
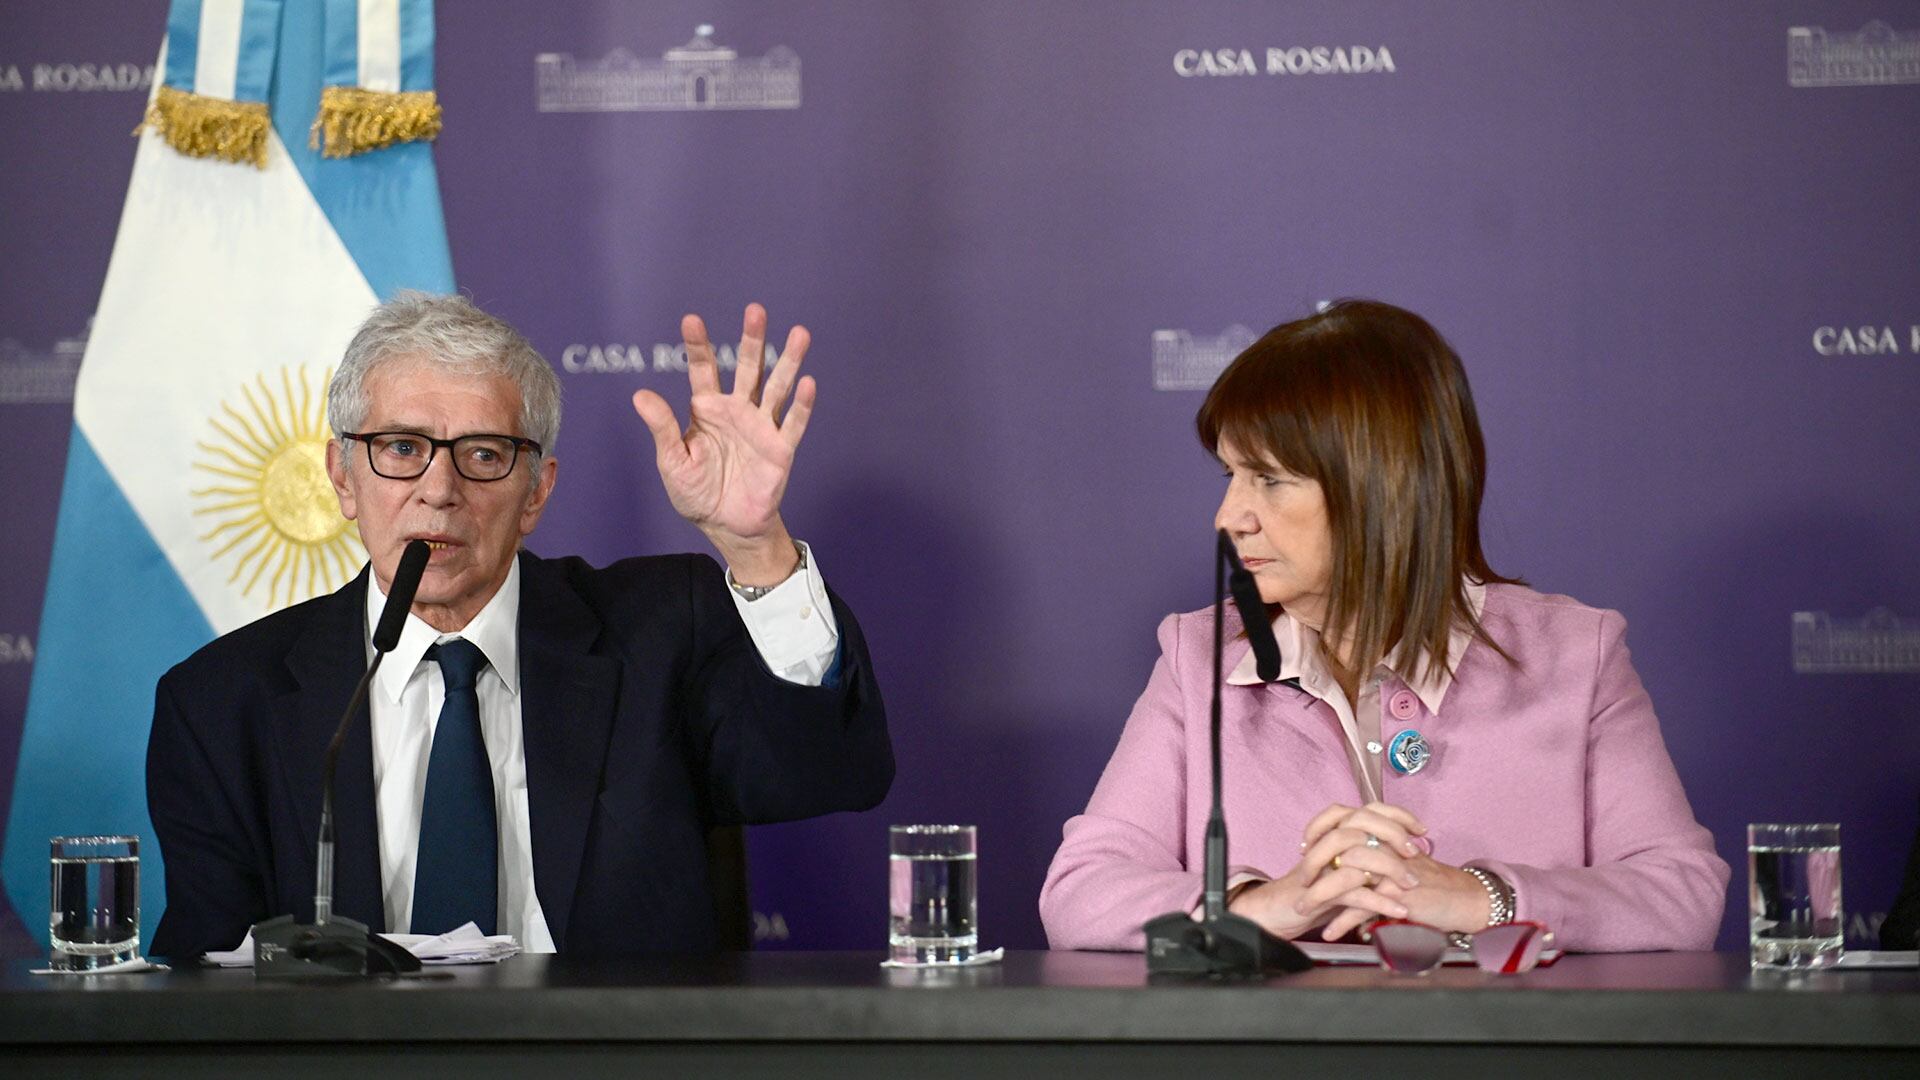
(1793, 893)
(931, 893)
(95, 920)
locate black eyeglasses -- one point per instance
(405, 455)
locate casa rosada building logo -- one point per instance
(1875, 55)
(700, 75)
(1285, 60)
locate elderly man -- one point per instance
(545, 749)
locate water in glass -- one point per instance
(932, 894)
(95, 914)
(1793, 873)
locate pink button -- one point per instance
(1403, 705)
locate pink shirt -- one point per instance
(1552, 774)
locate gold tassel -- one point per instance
(210, 127)
(354, 121)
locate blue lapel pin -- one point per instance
(1409, 752)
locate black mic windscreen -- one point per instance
(406, 580)
(1253, 614)
(1253, 611)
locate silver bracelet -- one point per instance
(750, 593)
(1499, 911)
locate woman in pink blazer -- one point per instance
(1444, 745)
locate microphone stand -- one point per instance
(334, 944)
(1221, 945)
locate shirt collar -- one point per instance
(495, 631)
(1303, 657)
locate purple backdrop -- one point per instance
(1629, 221)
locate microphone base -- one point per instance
(1230, 947)
(284, 949)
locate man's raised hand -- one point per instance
(727, 471)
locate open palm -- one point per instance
(727, 471)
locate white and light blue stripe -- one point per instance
(223, 48)
(193, 306)
(383, 45)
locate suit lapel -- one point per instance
(326, 662)
(566, 714)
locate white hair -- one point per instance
(446, 333)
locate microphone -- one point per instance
(1220, 945)
(386, 634)
(406, 582)
(1253, 613)
(338, 945)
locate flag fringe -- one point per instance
(200, 126)
(353, 120)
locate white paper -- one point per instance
(991, 956)
(467, 945)
(1872, 958)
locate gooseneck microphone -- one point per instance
(337, 945)
(1220, 945)
(386, 634)
(1253, 613)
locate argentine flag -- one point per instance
(196, 498)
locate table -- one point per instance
(1037, 1014)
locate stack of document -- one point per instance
(467, 945)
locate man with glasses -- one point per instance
(546, 747)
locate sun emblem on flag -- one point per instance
(271, 506)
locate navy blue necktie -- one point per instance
(455, 877)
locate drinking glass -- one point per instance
(95, 916)
(931, 895)
(1793, 895)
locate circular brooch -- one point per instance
(1409, 752)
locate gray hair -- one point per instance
(447, 333)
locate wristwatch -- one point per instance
(750, 593)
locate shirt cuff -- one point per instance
(793, 625)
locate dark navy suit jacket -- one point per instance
(647, 714)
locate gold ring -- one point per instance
(1370, 878)
(1335, 863)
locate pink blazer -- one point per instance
(1552, 774)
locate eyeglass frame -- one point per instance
(1536, 931)
(433, 448)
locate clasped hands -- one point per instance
(727, 471)
(1359, 864)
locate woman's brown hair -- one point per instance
(1371, 402)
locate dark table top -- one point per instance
(1681, 999)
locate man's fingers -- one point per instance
(660, 420)
(795, 425)
(752, 355)
(703, 372)
(784, 372)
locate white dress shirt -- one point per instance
(792, 626)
